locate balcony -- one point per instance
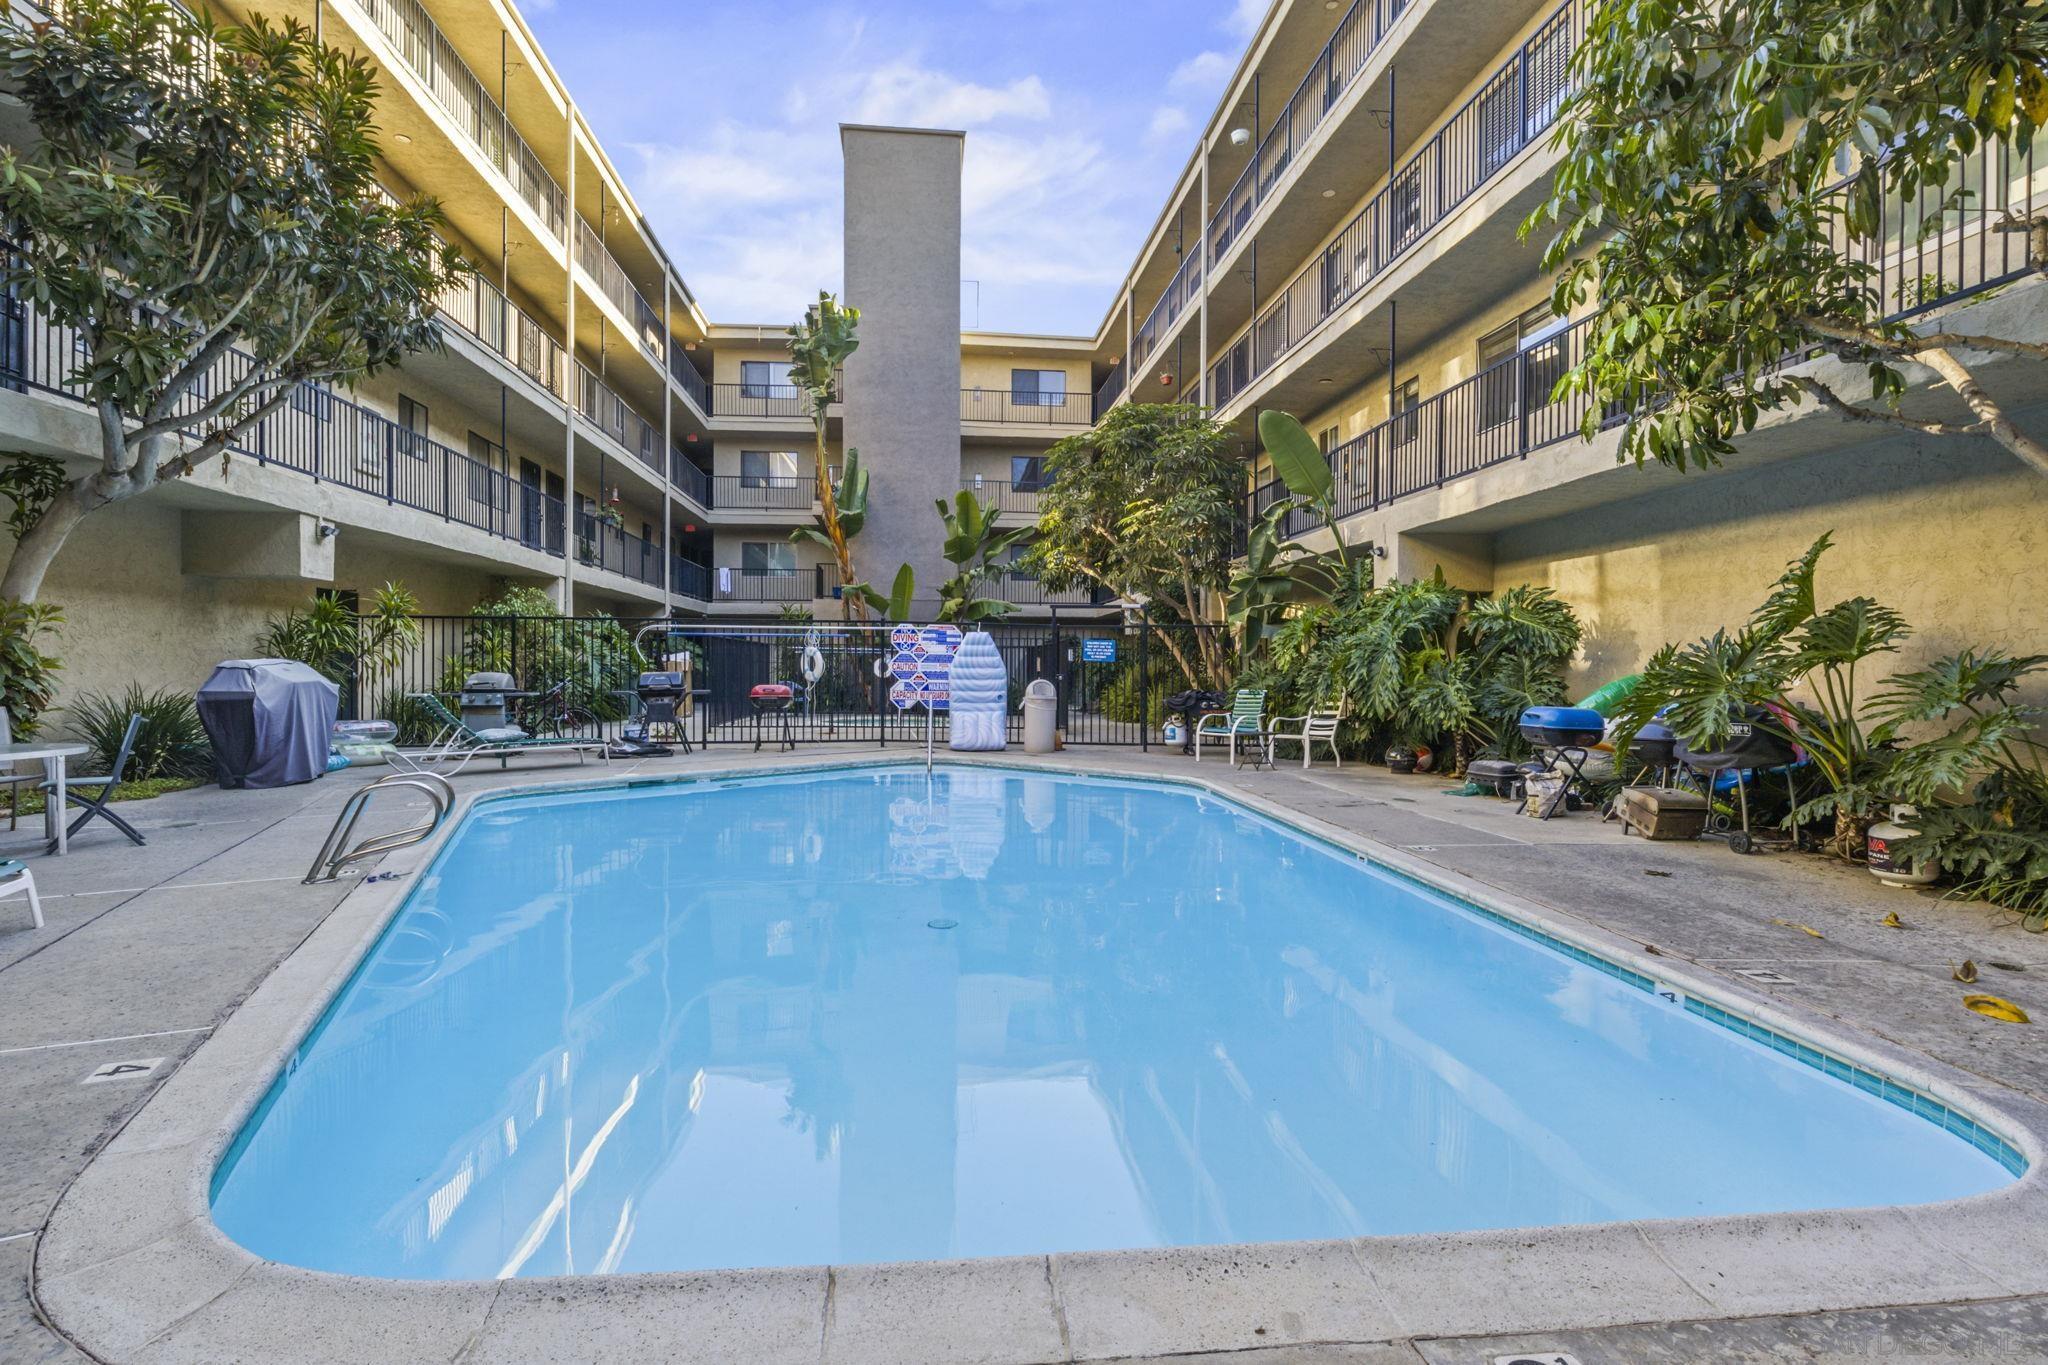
(688, 578)
(688, 480)
(1517, 105)
(1359, 34)
(478, 308)
(764, 492)
(601, 545)
(759, 400)
(1011, 408)
(1182, 292)
(608, 412)
(1112, 388)
(1027, 591)
(610, 277)
(686, 376)
(430, 57)
(1006, 496)
(731, 584)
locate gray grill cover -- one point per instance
(269, 720)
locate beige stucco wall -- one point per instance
(1954, 536)
(132, 616)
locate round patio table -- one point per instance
(52, 756)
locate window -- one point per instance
(766, 468)
(1027, 473)
(1499, 135)
(767, 557)
(1407, 400)
(1533, 335)
(1326, 440)
(1038, 388)
(487, 485)
(412, 426)
(765, 379)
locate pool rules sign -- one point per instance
(921, 662)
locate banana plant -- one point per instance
(850, 498)
(972, 544)
(818, 349)
(896, 606)
(1278, 574)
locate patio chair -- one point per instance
(16, 880)
(14, 776)
(1317, 727)
(457, 742)
(1246, 718)
(97, 806)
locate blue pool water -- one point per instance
(866, 1015)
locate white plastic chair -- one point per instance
(1317, 727)
(16, 880)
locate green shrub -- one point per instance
(28, 677)
(171, 743)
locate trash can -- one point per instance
(1041, 711)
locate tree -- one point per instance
(202, 213)
(1701, 188)
(818, 350)
(1146, 505)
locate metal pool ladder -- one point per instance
(332, 857)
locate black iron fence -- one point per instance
(576, 676)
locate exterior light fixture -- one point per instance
(1329, 194)
(1240, 137)
(403, 137)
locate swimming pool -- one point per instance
(863, 1015)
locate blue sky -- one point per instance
(723, 115)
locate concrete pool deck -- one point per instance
(168, 953)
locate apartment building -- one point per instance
(1342, 245)
(586, 428)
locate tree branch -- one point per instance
(1991, 416)
(1850, 412)
(217, 440)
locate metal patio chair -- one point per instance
(1317, 727)
(1246, 720)
(66, 792)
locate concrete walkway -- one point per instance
(148, 949)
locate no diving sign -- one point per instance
(921, 662)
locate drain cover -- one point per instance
(942, 924)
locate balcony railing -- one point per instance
(1005, 495)
(689, 578)
(601, 545)
(1359, 34)
(476, 306)
(611, 279)
(768, 492)
(1518, 103)
(1112, 388)
(1027, 591)
(759, 400)
(763, 585)
(608, 412)
(692, 482)
(1181, 293)
(1009, 407)
(687, 376)
(421, 46)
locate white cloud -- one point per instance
(907, 94)
(1168, 122)
(1202, 74)
(1243, 19)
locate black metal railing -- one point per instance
(687, 376)
(1005, 495)
(1358, 35)
(602, 545)
(1181, 293)
(1011, 407)
(759, 400)
(604, 269)
(1111, 389)
(737, 584)
(687, 479)
(1518, 103)
(764, 492)
(689, 578)
(602, 407)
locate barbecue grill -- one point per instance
(484, 700)
(664, 703)
(1749, 748)
(1564, 734)
(774, 699)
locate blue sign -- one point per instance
(1098, 650)
(922, 664)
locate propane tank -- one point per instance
(1892, 870)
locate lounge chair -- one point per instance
(66, 793)
(1317, 727)
(1245, 719)
(17, 880)
(458, 742)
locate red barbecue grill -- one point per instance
(774, 699)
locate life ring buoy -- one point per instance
(813, 664)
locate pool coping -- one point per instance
(131, 1265)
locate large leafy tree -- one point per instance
(1707, 144)
(201, 212)
(1145, 504)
